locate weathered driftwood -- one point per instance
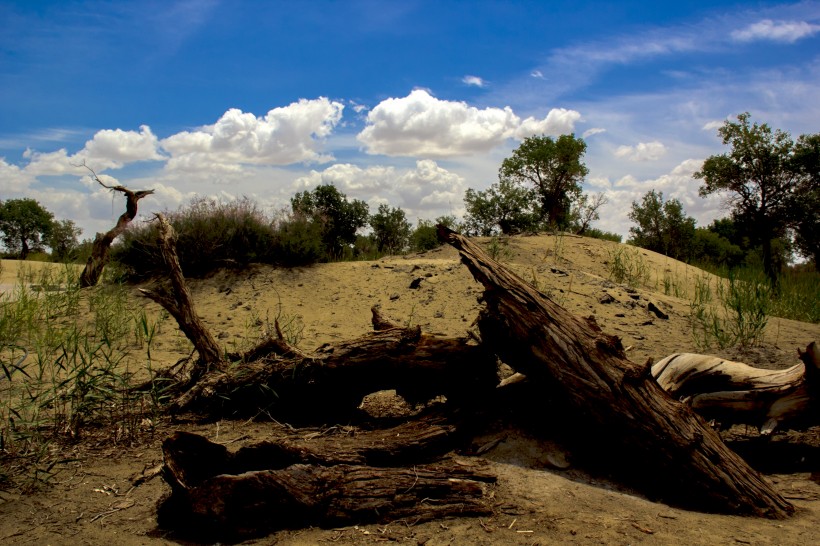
(102, 241)
(266, 487)
(621, 400)
(180, 305)
(732, 392)
(329, 384)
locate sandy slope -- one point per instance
(94, 502)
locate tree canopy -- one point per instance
(662, 226)
(339, 218)
(554, 168)
(391, 230)
(763, 176)
(25, 225)
(505, 205)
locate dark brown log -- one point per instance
(102, 241)
(620, 399)
(330, 383)
(180, 305)
(218, 495)
(735, 393)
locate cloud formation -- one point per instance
(285, 135)
(420, 125)
(775, 31)
(427, 190)
(643, 151)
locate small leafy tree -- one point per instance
(554, 169)
(391, 230)
(504, 206)
(662, 226)
(63, 240)
(339, 218)
(761, 177)
(25, 225)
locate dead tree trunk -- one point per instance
(621, 400)
(331, 381)
(733, 392)
(263, 488)
(102, 242)
(180, 305)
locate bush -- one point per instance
(209, 235)
(596, 233)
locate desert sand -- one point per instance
(99, 497)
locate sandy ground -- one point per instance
(93, 500)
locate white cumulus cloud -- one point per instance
(643, 151)
(285, 135)
(427, 190)
(108, 149)
(422, 125)
(776, 31)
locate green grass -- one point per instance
(67, 370)
(627, 266)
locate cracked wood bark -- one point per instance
(102, 242)
(733, 392)
(620, 399)
(180, 305)
(261, 488)
(332, 381)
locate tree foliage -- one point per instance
(338, 218)
(391, 230)
(554, 169)
(505, 205)
(662, 226)
(806, 211)
(25, 225)
(762, 177)
(63, 240)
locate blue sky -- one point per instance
(408, 102)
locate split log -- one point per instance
(331, 382)
(736, 393)
(102, 242)
(217, 494)
(620, 400)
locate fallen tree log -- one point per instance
(262, 488)
(620, 400)
(736, 393)
(331, 382)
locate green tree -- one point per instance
(391, 230)
(662, 226)
(339, 218)
(554, 168)
(806, 209)
(63, 240)
(505, 205)
(425, 235)
(25, 224)
(761, 177)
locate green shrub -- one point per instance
(210, 235)
(596, 233)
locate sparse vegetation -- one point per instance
(627, 266)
